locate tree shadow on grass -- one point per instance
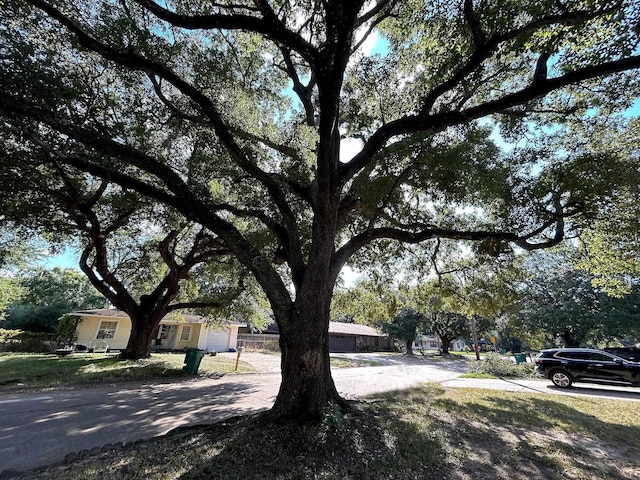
(423, 433)
(524, 436)
(360, 448)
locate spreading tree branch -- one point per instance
(440, 121)
(269, 25)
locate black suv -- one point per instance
(563, 366)
(629, 353)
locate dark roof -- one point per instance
(339, 328)
(354, 329)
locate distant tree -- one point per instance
(610, 236)
(448, 326)
(48, 294)
(10, 292)
(438, 302)
(404, 327)
(137, 254)
(147, 275)
(611, 248)
(368, 302)
(619, 319)
(17, 253)
(560, 305)
(471, 286)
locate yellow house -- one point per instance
(110, 328)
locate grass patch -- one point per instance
(429, 432)
(41, 370)
(463, 354)
(477, 375)
(340, 362)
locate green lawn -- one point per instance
(423, 433)
(41, 370)
(340, 362)
(25, 370)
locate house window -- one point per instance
(185, 334)
(164, 332)
(107, 330)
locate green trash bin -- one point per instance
(520, 357)
(192, 360)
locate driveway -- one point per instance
(43, 428)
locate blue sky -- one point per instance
(67, 259)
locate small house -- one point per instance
(111, 328)
(353, 337)
(343, 338)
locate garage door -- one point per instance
(217, 341)
(342, 344)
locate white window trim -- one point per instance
(190, 327)
(115, 331)
(166, 327)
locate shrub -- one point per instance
(31, 342)
(332, 417)
(67, 329)
(500, 366)
(7, 337)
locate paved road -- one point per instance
(42, 428)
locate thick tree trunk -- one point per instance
(143, 331)
(569, 339)
(409, 345)
(307, 386)
(445, 345)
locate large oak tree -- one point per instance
(141, 256)
(236, 114)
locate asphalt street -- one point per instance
(39, 429)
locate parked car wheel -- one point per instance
(560, 378)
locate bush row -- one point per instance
(501, 366)
(20, 341)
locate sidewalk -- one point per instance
(544, 386)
